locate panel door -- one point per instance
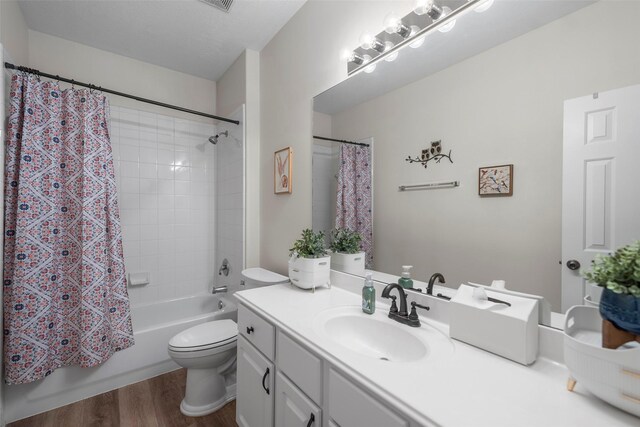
(601, 182)
(293, 408)
(255, 387)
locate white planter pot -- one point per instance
(349, 263)
(309, 273)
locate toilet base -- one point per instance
(208, 390)
(200, 411)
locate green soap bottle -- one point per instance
(368, 295)
(405, 281)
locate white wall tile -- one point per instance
(157, 191)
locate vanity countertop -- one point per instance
(467, 387)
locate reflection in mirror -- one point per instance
(343, 199)
(544, 86)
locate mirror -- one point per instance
(491, 92)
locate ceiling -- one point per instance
(184, 35)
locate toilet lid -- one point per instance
(261, 275)
(205, 334)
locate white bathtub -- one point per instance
(153, 326)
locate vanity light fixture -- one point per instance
(410, 30)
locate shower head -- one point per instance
(214, 139)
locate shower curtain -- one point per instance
(353, 207)
(65, 295)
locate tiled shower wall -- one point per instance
(230, 203)
(165, 171)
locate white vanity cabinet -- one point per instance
(283, 383)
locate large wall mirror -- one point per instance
(545, 86)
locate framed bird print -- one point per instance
(495, 181)
(282, 171)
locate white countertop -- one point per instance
(469, 387)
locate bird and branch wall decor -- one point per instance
(433, 153)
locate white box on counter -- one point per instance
(510, 331)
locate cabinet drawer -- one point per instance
(304, 369)
(351, 407)
(293, 408)
(257, 331)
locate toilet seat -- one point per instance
(205, 336)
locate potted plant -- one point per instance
(619, 275)
(309, 263)
(346, 255)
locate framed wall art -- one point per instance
(282, 171)
(495, 181)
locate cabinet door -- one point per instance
(255, 391)
(350, 406)
(293, 408)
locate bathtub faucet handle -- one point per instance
(219, 289)
(225, 268)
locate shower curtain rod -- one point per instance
(342, 141)
(10, 66)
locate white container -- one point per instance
(508, 331)
(310, 273)
(348, 263)
(611, 375)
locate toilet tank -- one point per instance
(257, 277)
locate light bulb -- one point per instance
(393, 25)
(366, 41)
(355, 58)
(484, 6)
(428, 7)
(449, 26)
(392, 57)
(418, 41)
(369, 42)
(391, 22)
(371, 68)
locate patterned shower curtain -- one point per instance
(353, 208)
(65, 295)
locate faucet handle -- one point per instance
(414, 313)
(394, 307)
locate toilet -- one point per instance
(208, 352)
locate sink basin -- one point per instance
(377, 336)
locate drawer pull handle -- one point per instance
(312, 419)
(249, 329)
(264, 378)
(322, 263)
(295, 270)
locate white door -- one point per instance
(601, 182)
(293, 408)
(254, 400)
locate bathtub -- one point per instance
(153, 326)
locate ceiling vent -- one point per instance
(223, 5)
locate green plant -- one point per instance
(345, 241)
(310, 245)
(619, 272)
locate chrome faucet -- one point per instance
(432, 280)
(219, 289)
(401, 315)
